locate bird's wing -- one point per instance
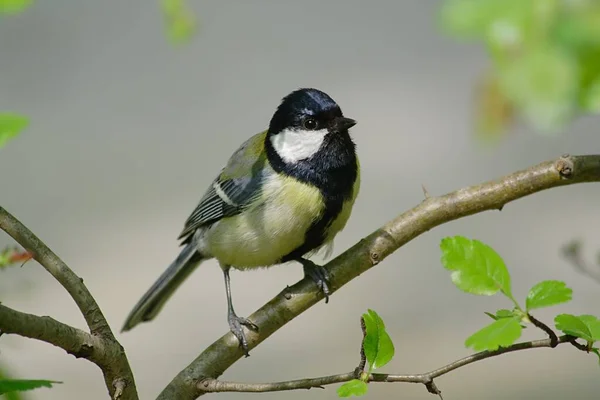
(238, 184)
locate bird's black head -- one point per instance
(309, 110)
(308, 122)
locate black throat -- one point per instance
(333, 170)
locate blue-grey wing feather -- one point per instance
(238, 184)
(225, 198)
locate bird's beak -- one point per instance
(341, 124)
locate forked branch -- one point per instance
(214, 385)
(101, 347)
(98, 346)
(371, 250)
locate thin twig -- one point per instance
(373, 249)
(214, 385)
(363, 356)
(433, 389)
(100, 346)
(574, 342)
(425, 192)
(539, 324)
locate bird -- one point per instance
(283, 196)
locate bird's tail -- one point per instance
(155, 298)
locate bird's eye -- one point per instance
(310, 123)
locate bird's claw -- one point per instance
(236, 326)
(319, 275)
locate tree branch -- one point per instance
(74, 341)
(213, 385)
(370, 251)
(60, 271)
(100, 347)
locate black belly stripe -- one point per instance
(315, 236)
(333, 170)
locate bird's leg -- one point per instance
(318, 274)
(235, 322)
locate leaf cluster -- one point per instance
(478, 269)
(544, 58)
(378, 349)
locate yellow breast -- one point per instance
(272, 227)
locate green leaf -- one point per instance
(476, 267)
(377, 345)
(548, 293)
(580, 30)
(10, 126)
(596, 351)
(586, 327)
(502, 313)
(355, 387)
(180, 21)
(21, 385)
(543, 83)
(467, 18)
(591, 97)
(475, 18)
(593, 325)
(504, 22)
(10, 395)
(14, 6)
(500, 333)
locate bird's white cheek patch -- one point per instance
(295, 145)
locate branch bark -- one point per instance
(373, 249)
(99, 346)
(74, 341)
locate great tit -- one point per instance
(283, 196)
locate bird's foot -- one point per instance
(318, 274)
(236, 325)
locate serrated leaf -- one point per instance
(10, 126)
(14, 6)
(593, 325)
(476, 267)
(355, 387)
(500, 333)
(572, 325)
(377, 345)
(548, 293)
(21, 385)
(586, 327)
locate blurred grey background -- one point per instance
(127, 131)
